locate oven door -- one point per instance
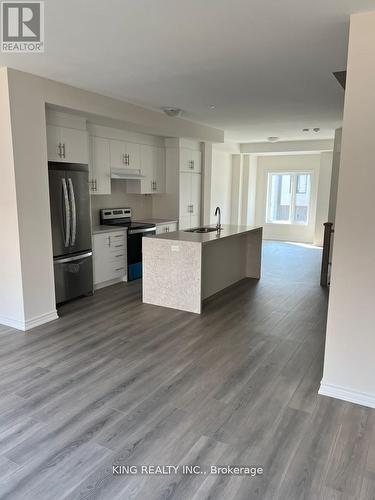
(135, 251)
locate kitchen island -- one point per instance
(183, 268)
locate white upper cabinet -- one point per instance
(153, 169)
(190, 160)
(67, 144)
(100, 169)
(125, 154)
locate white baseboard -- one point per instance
(30, 323)
(338, 392)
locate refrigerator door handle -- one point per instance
(74, 212)
(67, 213)
(72, 259)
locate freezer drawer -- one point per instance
(73, 276)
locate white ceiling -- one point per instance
(265, 64)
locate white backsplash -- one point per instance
(140, 204)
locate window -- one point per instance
(288, 198)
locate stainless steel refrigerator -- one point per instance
(71, 233)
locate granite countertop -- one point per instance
(158, 222)
(106, 229)
(227, 231)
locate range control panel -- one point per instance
(115, 213)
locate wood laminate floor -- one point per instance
(115, 381)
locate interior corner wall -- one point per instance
(335, 176)
(28, 121)
(249, 184)
(11, 295)
(236, 189)
(323, 196)
(221, 185)
(349, 371)
(207, 162)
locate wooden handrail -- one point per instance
(328, 231)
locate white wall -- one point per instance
(335, 176)
(323, 196)
(221, 184)
(286, 147)
(287, 232)
(349, 367)
(11, 296)
(249, 189)
(28, 123)
(29, 95)
(141, 205)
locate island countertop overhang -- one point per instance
(227, 231)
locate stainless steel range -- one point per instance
(135, 231)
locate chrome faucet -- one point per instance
(218, 213)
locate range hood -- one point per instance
(126, 173)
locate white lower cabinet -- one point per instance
(110, 258)
(166, 228)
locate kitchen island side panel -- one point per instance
(254, 253)
(172, 274)
(229, 260)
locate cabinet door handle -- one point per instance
(109, 241)
(119, 269)
(63, 147)
(118, 246)
(120, 255)
(59, 154)
(127, 159)
(192, 164)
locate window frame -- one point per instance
(294, 181)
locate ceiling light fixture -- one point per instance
(171, 111)
(305, 130)
(316, 129)
(273, 139)
(212, 106)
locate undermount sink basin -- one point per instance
(201, 230)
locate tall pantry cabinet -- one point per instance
(184, 182)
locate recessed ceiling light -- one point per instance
(316, 129)
(305, 130)
(273, 139)
(172, 111)
(212, 106)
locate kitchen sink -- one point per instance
(201, 230)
